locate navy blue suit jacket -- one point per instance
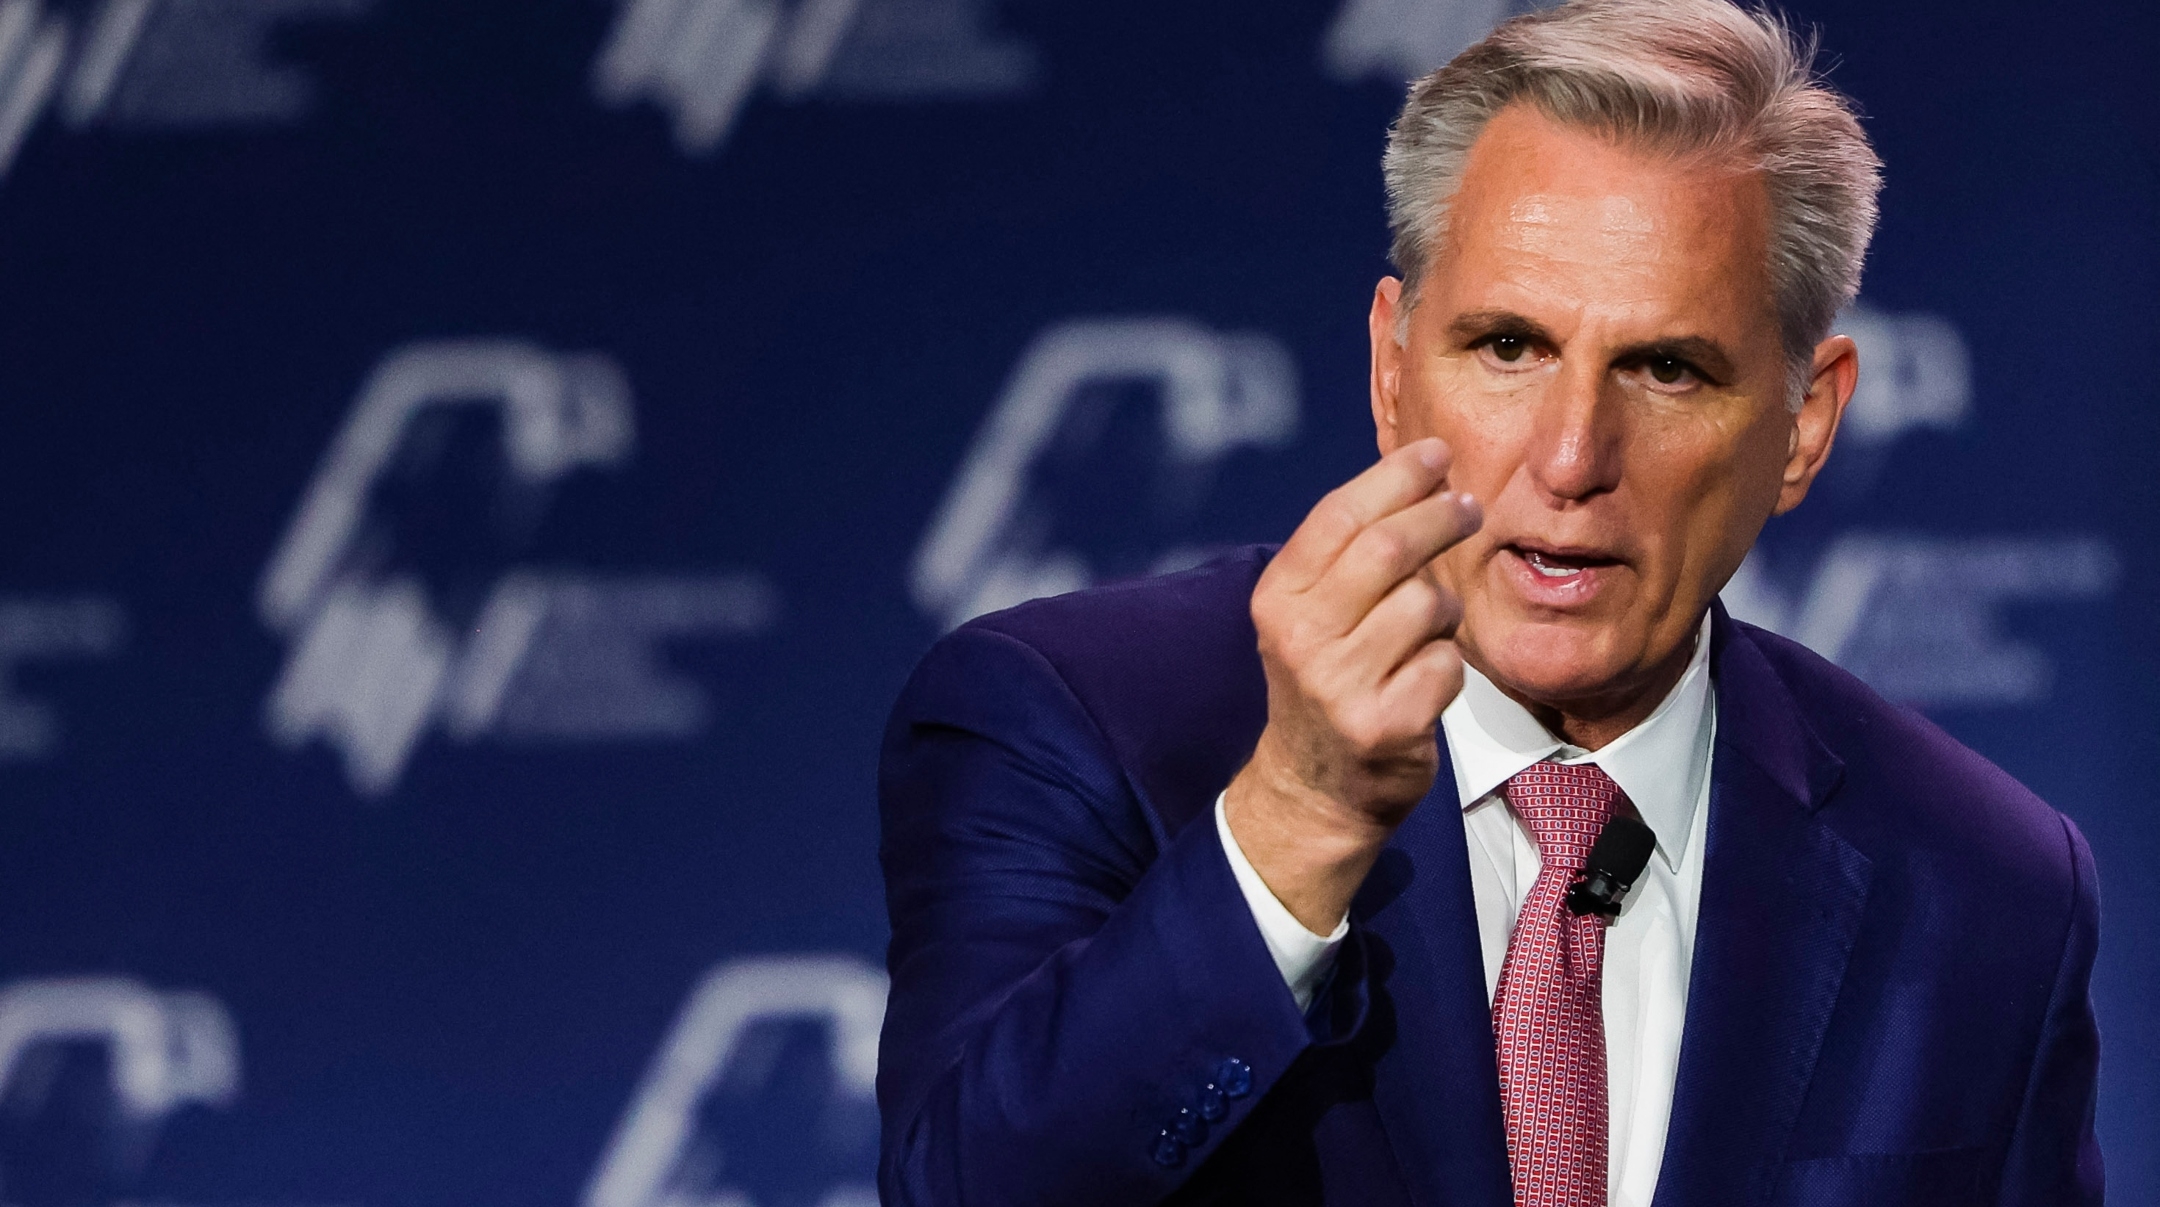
(1889, 1002)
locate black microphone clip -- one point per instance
(1618, 857)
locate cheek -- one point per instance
(1485, 429)
(1749, 476)
(1421, 398)
(1717, 505)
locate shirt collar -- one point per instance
(1662, 763)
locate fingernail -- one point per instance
(1432, 452)
(1472, 510)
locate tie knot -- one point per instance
(1565, 805)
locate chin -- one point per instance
(1550, 663)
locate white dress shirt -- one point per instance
(1663, 765)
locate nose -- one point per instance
(1575, 441)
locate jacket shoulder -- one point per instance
(1914, 793)
(1167, 669)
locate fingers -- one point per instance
(1398, 480)
(1422, 687)
(1417, 612)
(1354, 633)
(1385, 555)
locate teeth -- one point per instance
(1538, 563)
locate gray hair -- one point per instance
(1686, 78)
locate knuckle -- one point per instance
(1386, 546)
(1427, 596)
(1432, 606)
(1281, 653)
(1333, 515)
(1451, 680)
(1365, 730)
(1443, 677)
(1341, 719)
(1442, 663)
(1296, 634)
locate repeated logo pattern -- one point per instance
(551, 654)
(992, 545)
(1548, 1014)
(379, 660)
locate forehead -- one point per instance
(1555, 216)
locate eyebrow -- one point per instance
(1704, 353)
(1477, 324)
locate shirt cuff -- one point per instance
(1301, 956)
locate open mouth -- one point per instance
(1555, 565)
(1560, 578)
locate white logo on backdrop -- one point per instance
(1919, 617)
(152, 63)
(38, 630)
(552, 655)
(661, 1157)
(701, 60)
(1404, 39)
(1915, 373)
(164, 1051)
(988, 546)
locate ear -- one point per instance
(1836, 372)
(1387, 358)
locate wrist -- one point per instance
(1311, 850)
(1282, 809)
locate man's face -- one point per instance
(1598, 344)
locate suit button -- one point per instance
(1188, 1126)
(1168, 1150)
(1213, 1105)
(1235, 1077)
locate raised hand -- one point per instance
(1355, 635)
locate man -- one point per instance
(1190, 903)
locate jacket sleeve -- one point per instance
(1082, 1007)
(2054, 1156)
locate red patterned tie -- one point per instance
(1548, 1015)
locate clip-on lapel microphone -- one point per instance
(1620, 854)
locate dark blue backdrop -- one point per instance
(474, 476)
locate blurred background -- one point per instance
(474, 475)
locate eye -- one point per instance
(1509, 353)
(1668, 374)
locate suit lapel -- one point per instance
(1436, 1080)
(1782, 898)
